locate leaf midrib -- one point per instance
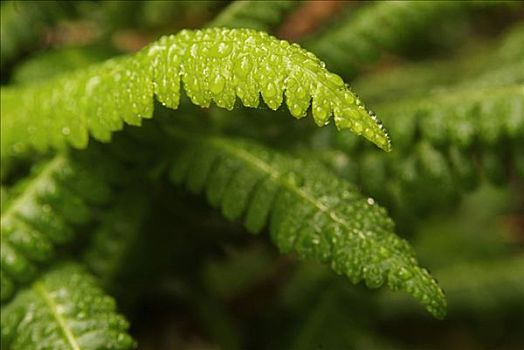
(53, 307)
(32, 188)
(277, 177)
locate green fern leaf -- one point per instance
(385, 25)
(214, 65)
(459, 116)
(485, 285)
(310, 211)
(65, 309)
(253, 14)
(44, 214)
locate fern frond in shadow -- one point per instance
(459, 116)
(309, 210)
(361, 38)
(214, 65)
(43, 213)
(65, 309)
(490, 285)
(22, 24)
(117, 235)
(253, 14)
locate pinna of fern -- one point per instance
(46, 211)
(214, 65)
(451, 137)
(309, 212)
(361, 37)
(64, 309)
(121, 90)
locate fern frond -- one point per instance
(500, 58)
(116, 235)
(380, 26)
(426, 177)
(43, 213)
(253, 14)
(213, 64)
(65, 309)
(474, 286)
(460, 115)
(310, 211)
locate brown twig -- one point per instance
(308, 17)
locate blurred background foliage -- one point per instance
(428, 68)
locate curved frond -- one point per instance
(253, 14)
(65, 309)
(214, 65)
(43, 212)
(309, 210)
(469, 130)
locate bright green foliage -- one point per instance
(44, 212)
(64, 310)
(450, 136)
(214, 64)
(310, 212)
(446, 77)
(253, 14)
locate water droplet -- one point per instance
(357, 127)
(349, 98)
(270, 90)
(335, 79)
(217, 84)
(194, 51)
(297, 111)
(404, 274)
(301, 92)
(243, 67)
(221, 50)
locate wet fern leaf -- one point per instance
(43, 214)
(214, 65)
(65, 309)
(308, 210)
